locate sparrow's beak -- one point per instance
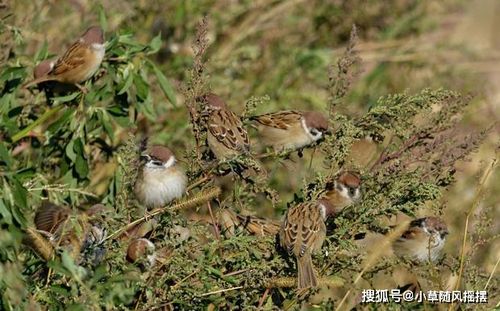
(328, 132)
(144, 157)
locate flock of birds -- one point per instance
(161, 180)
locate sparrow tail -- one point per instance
(38, 81)
(306, 274)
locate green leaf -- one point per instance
(19, 193)
(5, 155)
(102, 17)
(67, 98)
(70, 152)
(165, 85)
(127, 84)
(70, 265)
(155, 44)
(141, 86)
(81, 165)
(6, 215)
(43, 52)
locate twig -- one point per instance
(201, 197)
(61, 188)
(492, 273)
(221, 291)
(184, 279)
(288, 282)
(214, 223)
(385, 243)
(475, 203)
(24, 132)
(263, 298)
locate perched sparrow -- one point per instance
(226, 136)
(160, 180)
(258, 226)
(78, 64)
(140, 250)
(303, 232)
(304, 229)
(424, 240)
(291, 129)
(344, 191)
(79, 232)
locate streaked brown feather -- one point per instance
(74, 57)
(228, 129)
(50, 216)
(280, 120)
(303, 230)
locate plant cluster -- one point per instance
(77, 149)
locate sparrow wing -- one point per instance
(259, 226)
(303, 229)
(74, 57)
(228, 129)
(50, 216)
(280, 120)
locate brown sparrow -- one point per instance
(78, 64)
(254, 225)
(302, 233)
(423, 241)
(141, 249)
(304, 229)
(291, 129)
(226, 135)
(79, 232)
(344, 191)
(160, 179)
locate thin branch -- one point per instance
(475, 203)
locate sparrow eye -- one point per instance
(157, 163)
(314, 132)
(352, 191)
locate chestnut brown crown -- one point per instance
(350, 179)
(433, 223)
(213, 101)
(93, 35)
(316, 120)
(160, 153)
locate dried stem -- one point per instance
(475, 203)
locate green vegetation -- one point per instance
(398, 112)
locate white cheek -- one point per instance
(170, 162)
(345, 192)
(322, 210)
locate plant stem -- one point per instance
(24, 132)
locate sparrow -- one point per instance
(291, 129)
(302, 233)
(79, 232)
(78, 64)
(229, 221)
(141, 249)
(303, 230)
(344, 191)
(160, 179)
(226, 135)
(423, 241)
